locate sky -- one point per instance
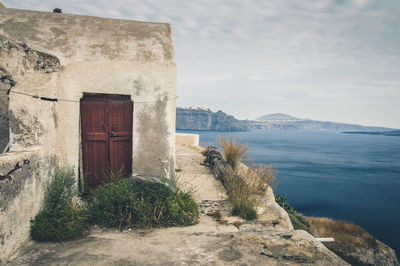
(334, 60)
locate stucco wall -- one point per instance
(96, 55)
(73, 38)
(63, 56)
(23, 176)
(152, 90)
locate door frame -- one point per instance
(82, 185)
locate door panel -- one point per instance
(95, 165)
(94, 144)
(95, 112)
(106, 123)
(121, 155)
(120, 117)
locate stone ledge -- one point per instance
(187, 139)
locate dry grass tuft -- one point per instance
(350, 239)
(241, 196)
(266, 173)
(223, 221)
(244, 183)
(258, 178)
(347, 235)
(237, 223)
(233, 152)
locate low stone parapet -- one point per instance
(187, 139)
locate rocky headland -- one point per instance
(205, 119)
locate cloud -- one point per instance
(289, 52)
(362, 2)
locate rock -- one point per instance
(205, 119)
(273, 213)
(16, 61)
(352, 243)
(25, 59)
(382, 255)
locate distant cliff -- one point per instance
(205, 119)
(286, 122)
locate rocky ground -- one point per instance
(215, 240)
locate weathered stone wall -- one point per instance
(23, 176)
(84, 54)
(75, 38)
(28, 167)
(152, 90)
(29, 120)
(63, 56)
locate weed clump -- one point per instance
(181, 209)
(59, 220)
(60, 191)
(233, 152)
(241, 196)
(244, 209)
(62, 225)
(245, 183)
(122, 203)
(298, 220)
(129, 203)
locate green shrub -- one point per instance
(127, 203)
(60, 220)
(298, 220)
(244, 209)
(181, 209)
(61, 225)
(112, 203)
(282, 201)
(60, 191)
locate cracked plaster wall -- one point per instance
(21, 196)
(27, 167)
(64, 56)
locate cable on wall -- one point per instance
(66, 100)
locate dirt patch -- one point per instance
(229, 254)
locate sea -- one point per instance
(350, 177)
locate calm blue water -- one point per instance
(349, 177)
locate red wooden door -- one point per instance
(106, 123)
